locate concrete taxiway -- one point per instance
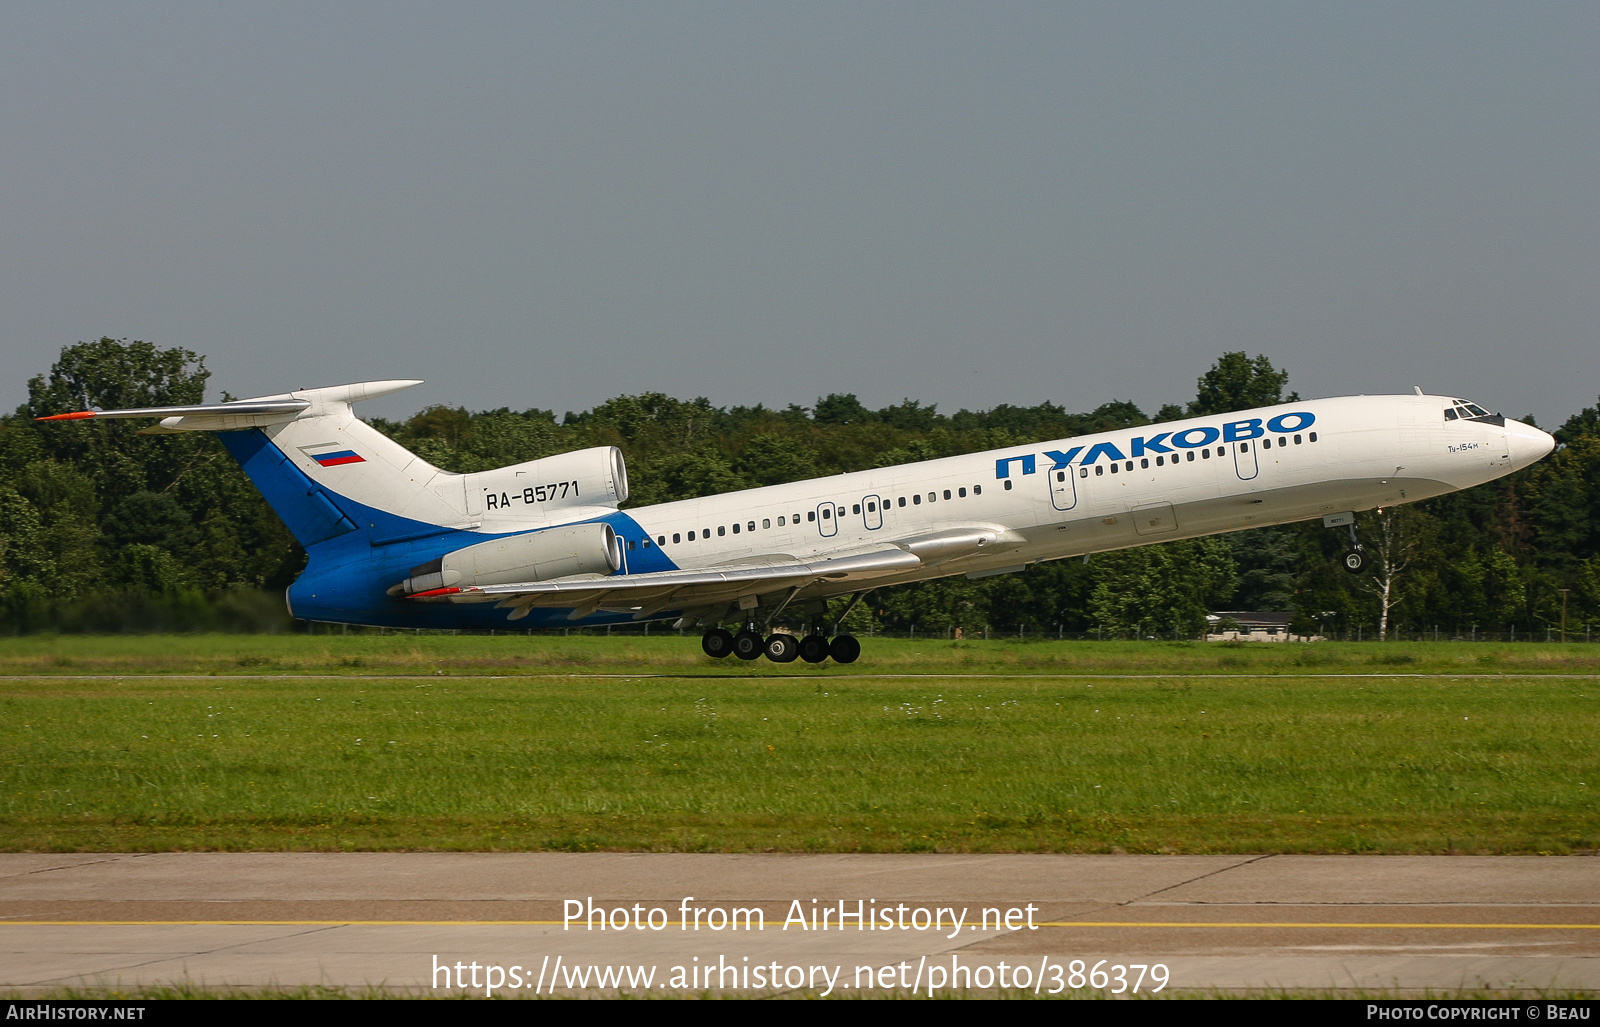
(947, 922)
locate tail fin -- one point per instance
(322, 470)
(328, 474)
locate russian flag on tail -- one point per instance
(346, 456)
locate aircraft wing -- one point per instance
(659, 590)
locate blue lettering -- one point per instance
(1303, 420)
(1235, 431)
(1002, 467)
(1141, 446)
(1103, 447)
(1062, 459)
(1207, 437)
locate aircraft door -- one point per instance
(827, 523)
(872, 512)
(1245, 460)
(1063, 487)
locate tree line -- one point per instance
(102, 529)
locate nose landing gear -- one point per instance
(1354, 559)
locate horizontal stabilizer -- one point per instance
(250, 413)
(243, 406)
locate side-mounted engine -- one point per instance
(535, 556)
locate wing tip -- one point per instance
(75, 416)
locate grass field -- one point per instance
(670, 654)
(232, 754)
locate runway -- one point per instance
(675, 923)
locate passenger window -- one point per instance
(1083, 472)
(962, 493)
(902, 501)
(1099, 470)
(766, 522)
(1244, 447)
(675, 538)
(721, 530)
(1008, 484)
(630, 545)
(947, 493)
(1113, 468)
(780, 522)
(855, 507)
(1297, 440)
(1144, 463)
(691, 536)
(977, 490)
(917, 499)
(1160, 462)
(1061, 476)
(1312, 436)
(735, 529)
(811, 515)
(661, 540)
(1191, 456)
(933, 497)
(1266, 443)
(705, 532)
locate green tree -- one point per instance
(1163, 589)
(1237, 382)
(773, 459)
(837, 409)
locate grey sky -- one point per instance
(548, 205)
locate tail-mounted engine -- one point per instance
(534, 556)
(537, 491)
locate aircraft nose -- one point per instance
(1527, 444)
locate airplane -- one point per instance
(392, 540)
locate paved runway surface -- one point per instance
(404, 921)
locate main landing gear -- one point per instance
(780, 647)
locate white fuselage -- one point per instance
(1356, 453)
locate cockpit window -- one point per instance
(1461, 410)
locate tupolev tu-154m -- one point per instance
(392, 540)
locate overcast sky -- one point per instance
(546, 205)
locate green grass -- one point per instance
(364, 654)
(794, 761)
